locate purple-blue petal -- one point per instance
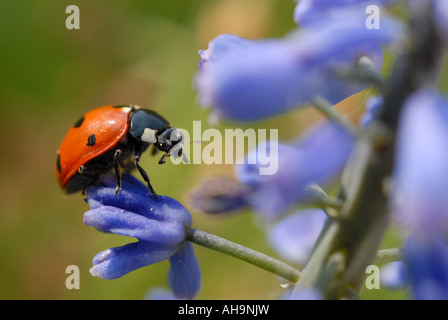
(270, 195)
(118, 221)
(309, 12)
(131, 182)
(373, 106)
(135, 197)
(441, 17)
(317, 157)
(300, 293)
(325, 149)
(255, 81)
(220, 45)
(250, 80)
(219, 195)
(421, 170)
(293, 237)
(159, 293)
(116, 262)
(426, 258)
(394, 275)
(184, 276)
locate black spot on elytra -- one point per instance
(91, 140)
(79, 122)
(58, 163)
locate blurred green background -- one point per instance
(125, 52)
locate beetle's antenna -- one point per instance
(177, 152)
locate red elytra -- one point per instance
(97, 132)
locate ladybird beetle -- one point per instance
(112, 137)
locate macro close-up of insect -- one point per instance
(112, 137)
(303, 143)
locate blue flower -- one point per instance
(421, 171)
(308, 12)
(184, 275)
(317, 157)
(373, 105)
(441, 17)
(395, 275)
(426, 258)
(159, 293)
(219, 195)
(247, 80)
(419, 195)
(159, 225)
(293, 237)
(301, 293)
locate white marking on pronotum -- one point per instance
(149, 135)
(128, 109)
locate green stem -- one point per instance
(388, 255)
(235, 250)
(334, 115)
(365, 71)
(331, 206)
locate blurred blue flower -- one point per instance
(419, 195)
(317, 157)
(302, 293)
(441, 17)
(426, 258)
(373, 105)
(218, 195)
(159, 225)
(246, 80)
(293, 237)
(308, 12)
(159, 293)
(421, 171)
(394, 275)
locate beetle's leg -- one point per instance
(163, 159)
(153, 150)
(117, 170)
(86, 177)
(80, 171)
(143, 173)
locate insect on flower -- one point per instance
(159, 226)
(113, 137)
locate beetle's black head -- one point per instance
(169, 141)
